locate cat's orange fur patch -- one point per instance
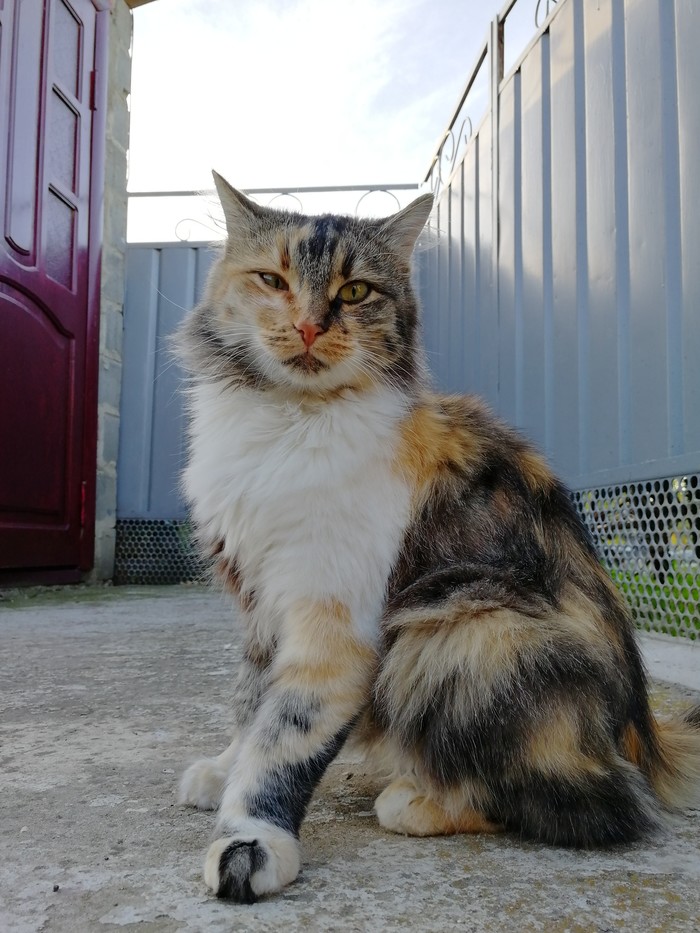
(334, 346)
(535, 470)
(320, 649)
(229, 573)
(421, 815)
(430, 819)
(485, 644)
(282, 244)
(555, 749)
(583, 617)
(632, 747)
(430, 442)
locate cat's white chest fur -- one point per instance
(305, 498)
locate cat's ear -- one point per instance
(240, 212)
(404, 227)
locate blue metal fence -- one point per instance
(580, 320)
(163, 282)
(562, 283)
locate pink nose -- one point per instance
(309, 331)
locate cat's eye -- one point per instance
(274, 281)
(353, 292)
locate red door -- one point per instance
(51, 151)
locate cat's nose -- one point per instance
(309, 331)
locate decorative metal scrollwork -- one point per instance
(286, 194)
(547, 4)
(183, 228)
(376, 191)
(451, 148)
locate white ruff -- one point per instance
(304, 497)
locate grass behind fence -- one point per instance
(671, 606)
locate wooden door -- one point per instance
(52, 54)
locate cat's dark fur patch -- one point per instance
(237, 864)
(284, 795)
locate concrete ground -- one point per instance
(108, 693)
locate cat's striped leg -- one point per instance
(203, 782)
(319, 683)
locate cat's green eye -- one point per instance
(353, 292)
(274, 281)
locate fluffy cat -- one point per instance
(407, 567)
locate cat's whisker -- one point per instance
(171, 302)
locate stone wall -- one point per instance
(112, 287)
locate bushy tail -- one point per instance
(675, 771)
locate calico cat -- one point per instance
(407, 567)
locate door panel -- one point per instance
(42, 355)
(47, 297)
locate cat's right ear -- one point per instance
(403, 229)
(240, 212)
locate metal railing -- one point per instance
(500, 53)
(192, 215)
(510, 35)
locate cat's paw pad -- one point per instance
(202, 784)
(242, 868)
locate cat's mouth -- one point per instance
(306, 363)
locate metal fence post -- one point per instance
(496, 60)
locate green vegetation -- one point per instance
(671, 606)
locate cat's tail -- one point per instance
(674, 769)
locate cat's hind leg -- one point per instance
(518, 710)
(404, 808)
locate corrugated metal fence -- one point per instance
(163, 282)
(584, 328)
(580, 320)
(563, 285)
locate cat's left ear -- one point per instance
(403, 228)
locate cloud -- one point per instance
(295, 91)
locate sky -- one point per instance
(294, 93)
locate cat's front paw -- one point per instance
(260, 860)
(202, 784)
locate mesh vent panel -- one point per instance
(648, 534)
(155, 551)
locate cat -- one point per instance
(408, 569)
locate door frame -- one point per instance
(96, 236)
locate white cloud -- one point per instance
(295, 91)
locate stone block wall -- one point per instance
(112, 286)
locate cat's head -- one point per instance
(312, 304)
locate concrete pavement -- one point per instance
(107, 693)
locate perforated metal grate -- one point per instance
(648, 534)
(155, 551)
